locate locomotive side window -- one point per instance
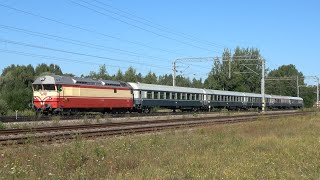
(114, 90)
(37, 87)
(50, 87)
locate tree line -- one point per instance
(16, 80)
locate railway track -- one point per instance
(47, 134)
(8, 119)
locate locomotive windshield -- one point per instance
(49, 87)
(37, 87)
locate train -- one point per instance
(54, 94)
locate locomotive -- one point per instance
(61, 94)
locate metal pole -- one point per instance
(229, 67)
(174, 73)
(298, 93)
(263, 86)
(317, 91)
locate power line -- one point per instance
(76, 42)
(157, 26)
(136, 26)
(77, 53)
(56, 58)
(85, 29)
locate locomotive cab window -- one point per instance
(37, 87)
(49, 87)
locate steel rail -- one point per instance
(47, 134)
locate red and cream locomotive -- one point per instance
(54, 94)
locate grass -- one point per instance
(27, 112)
(287, 148)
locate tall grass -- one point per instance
(287, 148)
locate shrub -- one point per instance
(2, 126)
(3, 107)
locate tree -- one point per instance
(165, 80)
(150, 78)
(16, 86)
(280, 87)
(3, 107)
(101, 74)
(242, 77)
(119, 76)
(44, 69)
(130, 75)
(182, 81)
(197, 83)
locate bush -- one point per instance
(2, 126)
(3, 107)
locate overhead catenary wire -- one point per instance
(138, 27)
(77, 42)
(157, 26)
(22, 53)
(78, 53)
(86, 29)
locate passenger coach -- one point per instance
(148, 96)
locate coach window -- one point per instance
(183, 96)
(208, 97)
(178, 96)
(156, 95)
(162, 94)
(149, 95)
(168, 95)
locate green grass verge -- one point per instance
(287, 148)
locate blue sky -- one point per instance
(286, 32)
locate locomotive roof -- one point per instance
(56, 79)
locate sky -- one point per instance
(80, 35)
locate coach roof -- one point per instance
(153, 87)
